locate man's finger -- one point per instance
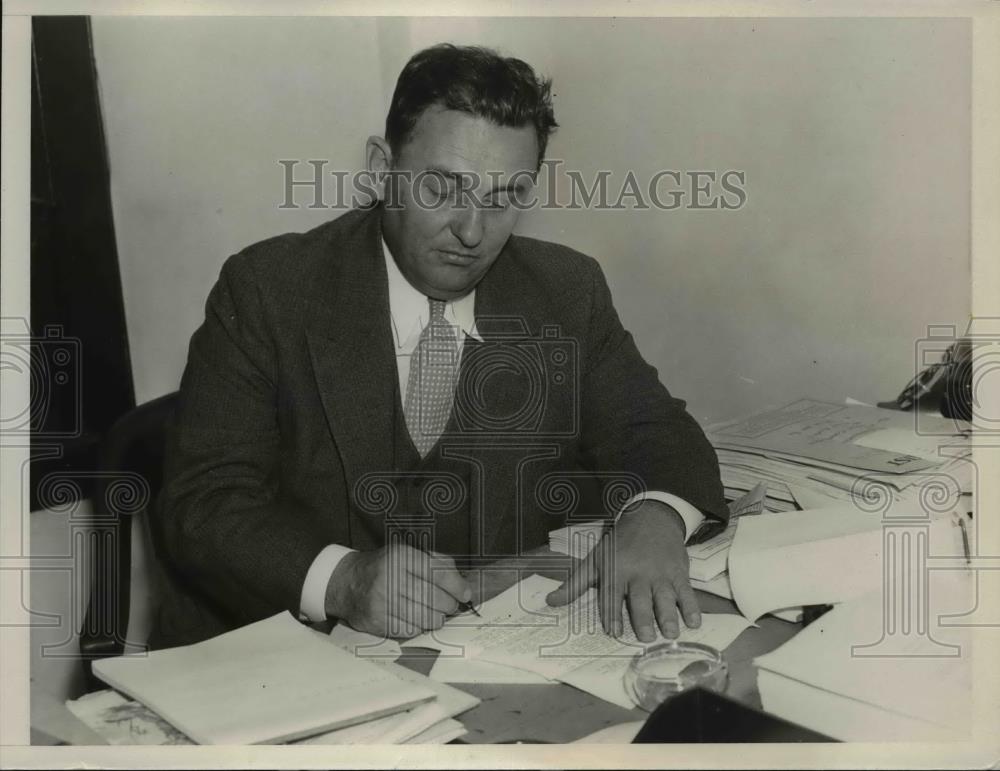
(611, 589)
(640, 610)
(407, 561)
(688, 603)
(434, 568)
(417, 614)
(665, 603)
(401, 628)
(581, 577)
(430, 596)
(444, 574)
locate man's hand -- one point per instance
(644, 560)
(395, 591)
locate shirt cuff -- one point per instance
(312, 605)
(689, 514)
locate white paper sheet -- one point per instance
(519, 629)
(921, 684)
(907, 440)
(121, 721)
(450, 669)
(823, 433)
(442, 733)
(402, 727)
(783, 560)
(364, 645)
(622, 733)
(719, 586)
(271, 681)
(604, 677)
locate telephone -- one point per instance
(946, 385)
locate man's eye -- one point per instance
(495, 204)
(436, 187)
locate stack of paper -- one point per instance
(121, 721)
(519, 630)
(708, 560)
(811, 454)
(577, 539)
(429, 723)
(269, 682)
(854, 676)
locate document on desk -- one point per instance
(824, 433)
(913, 685)
(450, 669)
(442, 733)
(271, 681)
(708, 560)
(429, 720)
(364, 645)
(787, 559)
(519, 629)
(121, 721)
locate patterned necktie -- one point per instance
(430, 389)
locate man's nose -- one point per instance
(467, 225)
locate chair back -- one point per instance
(130, 475)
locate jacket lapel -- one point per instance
(350, 344)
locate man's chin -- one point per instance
(453, 281)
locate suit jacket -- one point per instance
(288, 397)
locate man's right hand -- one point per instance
(395, 591)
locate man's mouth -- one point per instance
(457, 258)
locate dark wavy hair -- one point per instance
(474, 80)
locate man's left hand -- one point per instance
(641, 560)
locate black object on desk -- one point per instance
(702, 716)
(812, 612)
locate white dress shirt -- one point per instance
(409, 312)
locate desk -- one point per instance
(559, 713)
(553, 712)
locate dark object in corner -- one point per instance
(811, 612)
(945, 386)
(700, 716)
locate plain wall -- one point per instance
(198, 112)
(853, 134)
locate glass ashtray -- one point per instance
(667, 669)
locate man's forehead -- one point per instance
(456, 142)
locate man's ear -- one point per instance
(378, 156)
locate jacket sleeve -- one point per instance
(630, 422)
(221, 522)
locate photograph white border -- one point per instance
(983, 751)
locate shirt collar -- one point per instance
(410, 310)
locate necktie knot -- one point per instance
(437, 309)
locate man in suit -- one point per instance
(376, 409)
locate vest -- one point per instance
(477, 499)
(422, 502)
